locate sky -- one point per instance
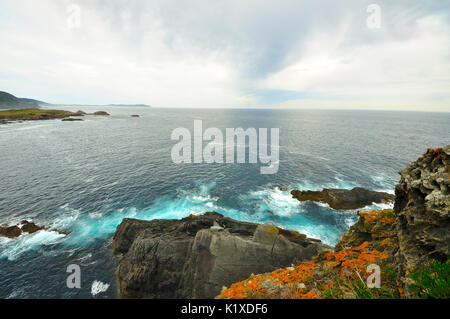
(229, 53)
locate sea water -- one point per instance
(85, 177)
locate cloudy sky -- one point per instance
(228, 53)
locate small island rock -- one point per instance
(343, 198)
(101, 113)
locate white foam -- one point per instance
(12, 249)
(278, 202)
(85, 257)
(98, 287)
(95, 215)
(322, 204)
(376, 206)
(31, 127)
(389, 191)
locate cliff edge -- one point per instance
(197, 256)
(407, 248)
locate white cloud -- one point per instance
(390, 74)
(226, 53)
(97, 59)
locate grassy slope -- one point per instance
(33, 114)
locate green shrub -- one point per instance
(432, 281)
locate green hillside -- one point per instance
(9, 101)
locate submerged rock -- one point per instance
(72, 120)
(344, 199)
(198, 255)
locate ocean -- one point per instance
(85, 177)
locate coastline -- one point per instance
(33, 114)
(382, 238)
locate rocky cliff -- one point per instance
(410, 245)
(196, 256)
(422, 209)
(210, 255)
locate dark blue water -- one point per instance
(85, 177)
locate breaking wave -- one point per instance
(316, 220)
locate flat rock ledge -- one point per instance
(195, 257)
(343, 198)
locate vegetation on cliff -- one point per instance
(410, 246)
(338, 274)
(33, 114)
(343, 274)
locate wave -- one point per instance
(338, 182)
(315, 220)
(11, 249)
(273, 201)
(267, 204)
(379, 206)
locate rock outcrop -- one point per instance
(422, 207)
(32, 115)
(378, 228)
(344, 199)
(196, 256)
(72, 120)
(404, 242)
(79, 113)
(17, 230)
(10, 231)
(23, 227)
(101, 113)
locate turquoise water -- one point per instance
(85, 177)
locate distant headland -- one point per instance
(101, 105)
(9, 101)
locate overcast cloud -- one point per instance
(247, 53)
